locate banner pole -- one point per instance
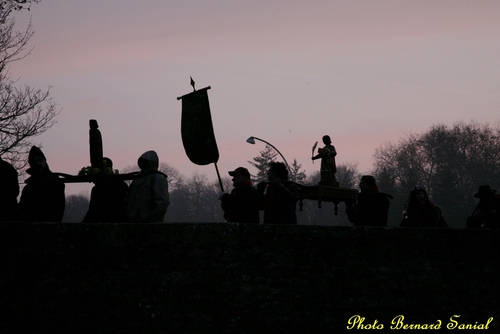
(218, 175)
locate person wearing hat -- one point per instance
(372, 207)
(42, 198)
(487, 211)
(242, 205)
(420, 211)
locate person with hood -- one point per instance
(486, 214)
(278, 197)
(372, 207)
(9, 190)
(107, 198)
(421, 212)
(148, 196)
(242, 205)
(42, 198)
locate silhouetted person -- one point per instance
(421, 212)
(487, 211)
(148, 196)
(107, 198)
(242, 205)
(372, 207)
(328, 167)
(9, 190)
(278, 197)
(42, 198)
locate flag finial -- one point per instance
(192, 83)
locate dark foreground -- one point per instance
(221, 278)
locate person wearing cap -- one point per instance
(278, 197)
(242, 204)
(420, 211)
(487, 211)
(372, 206)
(9, 190)
(42, 198)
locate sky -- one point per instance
(364, 72)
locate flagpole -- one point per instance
(218, 175)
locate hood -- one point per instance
(152, 159)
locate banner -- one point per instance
(197, 130)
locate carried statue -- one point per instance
(328, 168)
(328, 188)
(95, 143)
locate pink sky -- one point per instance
(289, 72)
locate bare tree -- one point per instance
(10, 5)
(25, 112)
(196, 200)
(450, 162)
(348, 175)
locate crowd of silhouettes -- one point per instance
(278, 196)
(147, 198)
(43, 199)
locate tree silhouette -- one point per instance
(262, 161)
(196, 200)
(8, 6)
(297, 175)
(25, 112)
(450, 162)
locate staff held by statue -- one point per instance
(313, 149)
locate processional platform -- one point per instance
(322, 193)
(67, 178)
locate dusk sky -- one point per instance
(365, 72)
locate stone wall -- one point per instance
(234, 278)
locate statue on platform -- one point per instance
(328, 168)
(95, 142)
